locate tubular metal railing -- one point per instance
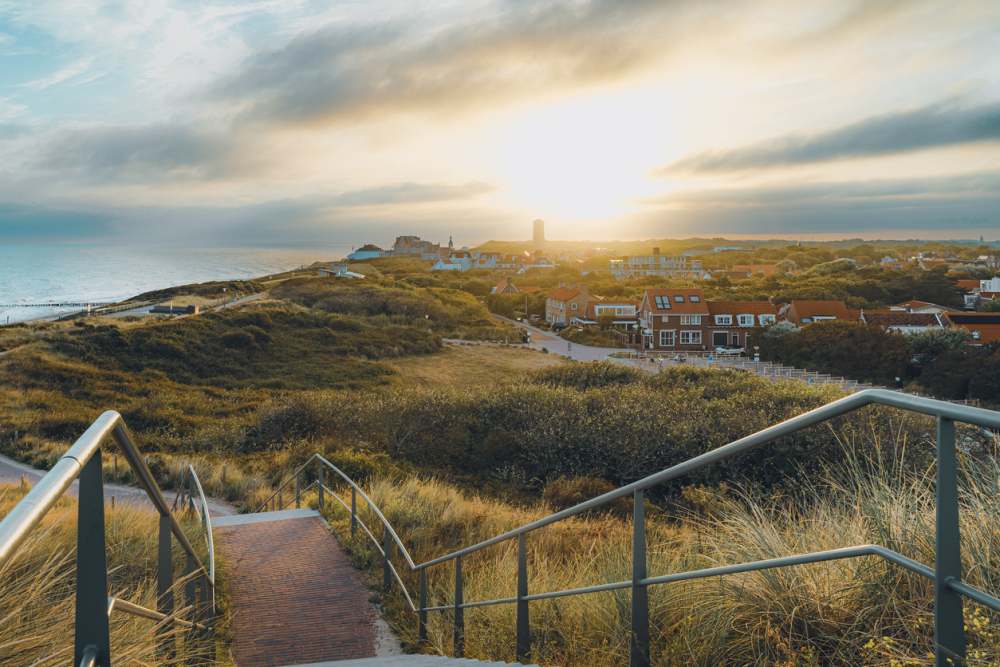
(949, 589)
(92, 645)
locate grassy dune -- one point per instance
(37, 601)
(852, 612)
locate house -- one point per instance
(901, 321)
(340, 270)
(456, 261)
(367, 251)
(736, 324)
(505, 286)
(614, 308)
(802, 312)
(565, 303)
(915, 306)
(984, 328)
(975, 291)
(671, 319)
(653, 265)
(415, 246)
(536, 263)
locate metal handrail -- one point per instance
(83, 461)
(949, 632)
(191, 476)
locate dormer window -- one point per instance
(695, 298)
(745, 320)
(679, 298)
(662, 302)
(724, 320)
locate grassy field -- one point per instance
(37, 603)
(852, 612)
(469, 366)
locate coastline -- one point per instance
(41, 274)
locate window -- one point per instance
(724, 320)
(695, 298)
(691, 319)
(745, 320)
(666, 339)
(573, 306)
(766, 319)
(662, 302)
(679, 298)
(690, 337)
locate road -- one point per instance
(541, 338)
(11, 472)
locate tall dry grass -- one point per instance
(852, 612)
(37, 590)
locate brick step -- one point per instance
(409, 661)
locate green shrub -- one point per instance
(565, 492)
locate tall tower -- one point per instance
(538, 235)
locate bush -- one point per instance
(565, 492)
(584, 376)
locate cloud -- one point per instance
(410, 193)
(928, 127)
(132, 153)
(20, 221)
(67, 73)
(341, 72)
(963, 202)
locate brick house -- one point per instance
(565, 303)
(673, 319)
(736, 324)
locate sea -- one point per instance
(36, 273)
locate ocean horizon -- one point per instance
(70, 272)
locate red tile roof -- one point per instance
(809, 308)
(986, 324)
(967, 284)
(684, 307)
(888, 318)
(564, 293)
(744, 307)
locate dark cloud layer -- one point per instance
(966, 202)
(341, 72)
(927, 127)
(23, 222)
(128, 153)
(410, 193)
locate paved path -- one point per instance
(540, 338)
(294, 594)
(11, 472)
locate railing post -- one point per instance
(459, 636)
(165, 579)
(91, 623)
(422, 612)
(281, 500)
(523, 650)
(639, 648)
(949, 631)
(387, 549)
(321, 479)
(298, 490)
(354, 512)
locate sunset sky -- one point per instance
(295, 122)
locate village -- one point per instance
(683, 302)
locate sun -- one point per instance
(584, 159)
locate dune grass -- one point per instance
(37, 599)
(468, 366)
(852, 612)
